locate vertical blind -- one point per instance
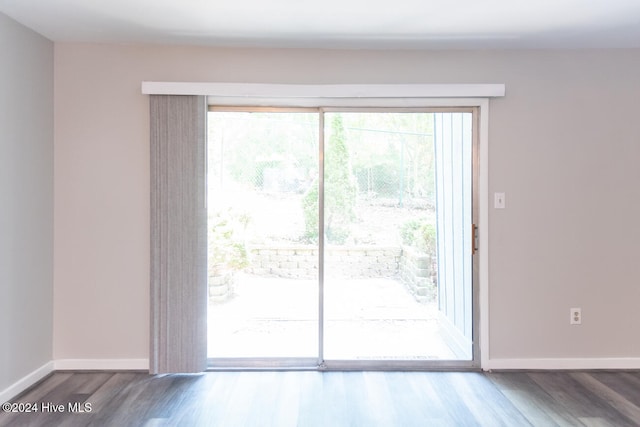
(453, 140)
(178, 234)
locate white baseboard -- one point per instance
(25, 382)
(72, 365)
(101, 365)
(559, 363)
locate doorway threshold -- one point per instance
(310, 364)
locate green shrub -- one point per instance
(339, 191)
(420, 234)
(429, 237)
(226, 244)
(310, 210)
(408, 231)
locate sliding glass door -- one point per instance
(341, 238)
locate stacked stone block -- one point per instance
(417, 272)
(301, 261)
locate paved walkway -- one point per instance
(364, 319)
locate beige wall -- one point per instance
(564, 143)
(26, 202)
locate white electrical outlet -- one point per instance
(576, 316)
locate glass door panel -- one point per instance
(381, 238)
(263, 267)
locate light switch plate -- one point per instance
(499, 201)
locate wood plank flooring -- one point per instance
(236, 399)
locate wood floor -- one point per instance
(334, 399)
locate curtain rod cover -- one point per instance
(264, 90)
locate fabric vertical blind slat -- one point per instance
(178, 234)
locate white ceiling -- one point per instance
(337, 23)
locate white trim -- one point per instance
(101, 364)
(25, 382)
(261, 90)
(564, 364)
(483, 233)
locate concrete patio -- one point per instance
(365, 319)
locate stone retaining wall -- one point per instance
(221, 286)
(416, 270)
(301, 261)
